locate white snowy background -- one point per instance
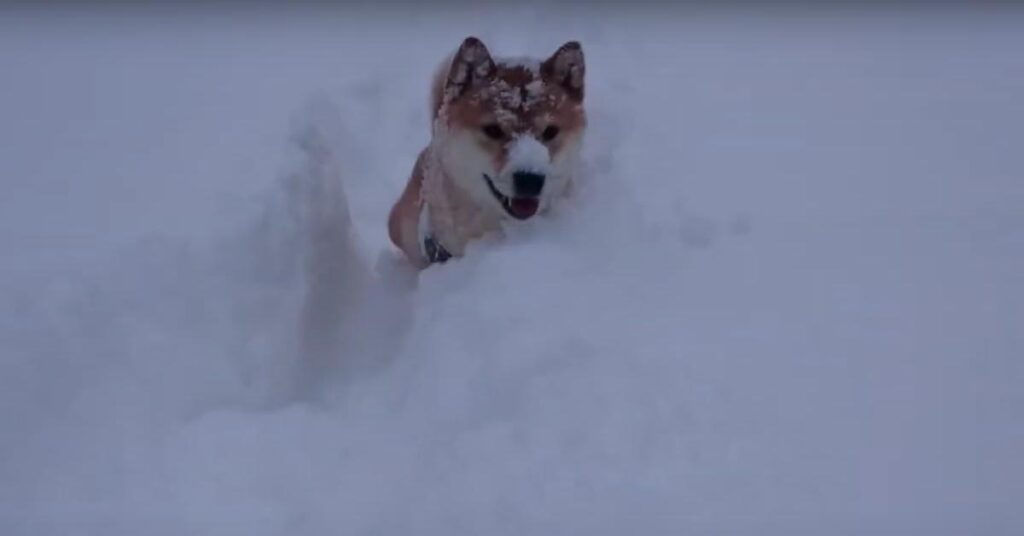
(789, 298)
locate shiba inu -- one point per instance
(505, 145)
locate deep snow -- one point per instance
(788, 299)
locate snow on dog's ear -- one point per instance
(566, 68)
(471, 63)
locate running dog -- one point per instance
(505, 145)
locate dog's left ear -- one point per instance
(566, 68)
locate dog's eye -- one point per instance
(549, 133)
(493, 131)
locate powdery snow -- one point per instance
(786, 299)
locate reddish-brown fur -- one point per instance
(512, 97)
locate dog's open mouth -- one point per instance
(520, 208)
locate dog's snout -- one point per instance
(528, 183)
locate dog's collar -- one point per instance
(433, 251)
(430, 247)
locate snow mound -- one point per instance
(763, 313)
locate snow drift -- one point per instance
(787, 299)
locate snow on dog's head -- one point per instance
(509, 130)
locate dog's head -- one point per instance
(509, 131)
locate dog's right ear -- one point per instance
(471, 63)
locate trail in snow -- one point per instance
(786, 300)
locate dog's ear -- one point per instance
(472, 63)
(565, 67)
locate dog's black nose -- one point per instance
(527, 183)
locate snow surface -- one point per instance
(788, 298)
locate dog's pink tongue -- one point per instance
(524, 207)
